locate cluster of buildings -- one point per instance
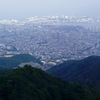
(58, 19)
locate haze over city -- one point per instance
(21, 9)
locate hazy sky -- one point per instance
(20, 9)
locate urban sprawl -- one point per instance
(51, 38)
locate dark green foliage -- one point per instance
(14, 61)
(86, 71)
(30, 83)
(4, 71)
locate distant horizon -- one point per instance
(22, 9)
(25, 18)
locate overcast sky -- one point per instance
(21, 9)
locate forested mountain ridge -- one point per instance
(12, 62)
(28, 83)
(86, 71)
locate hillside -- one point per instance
(86, 71)
(12, 62)
(30, 83)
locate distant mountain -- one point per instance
(28, 83)
(12, 62)
(86, 71)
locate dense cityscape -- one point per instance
(51, 38)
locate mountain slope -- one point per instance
(30, 83)
(14, 61)
(86, 71)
